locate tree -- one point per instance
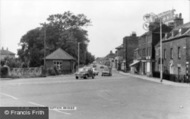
(11, 62)
(62, 30)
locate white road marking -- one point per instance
(36, 104)
(50, 109)
(9, 96)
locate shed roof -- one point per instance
(60, 54)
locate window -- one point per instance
(179, 52)
(57, 64)
(171, 53)
(179, 72)
(144, 52)
(179, 31)
(164, 53)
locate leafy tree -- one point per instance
(12, 62)
(62, 30)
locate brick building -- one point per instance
(146, 49)
(130, 43)
(60, 59)
(176, 53)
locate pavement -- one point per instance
(157, 80)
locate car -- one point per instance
(101, 67)
(94, 65)
(106, 72)
(95, 71)
(84, 73)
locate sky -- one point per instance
(112, 20)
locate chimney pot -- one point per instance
(180, 15)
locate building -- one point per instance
(130, 43)
(60, 59)
(6, 53)
(176, 54)
(146, 49)
(119, 57)
(109, 60)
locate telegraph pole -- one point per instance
(161, 66)
(189, 10)
(44, 45)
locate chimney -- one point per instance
(178, 21)
(111, 52)
(171, 25)
(134, 34)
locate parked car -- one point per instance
(106, 72)
(84, 73)
(101, 67)
(95, 71)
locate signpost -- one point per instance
(163, 17)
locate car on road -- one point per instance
(84, 73)
(95, 71)
(94, 65)
(101, 67)
(106, 72)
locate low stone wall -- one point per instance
(25, 72)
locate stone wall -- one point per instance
(25, 72)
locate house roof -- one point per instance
(6, 52)
(186, 25)
(60, 54)
(111, 55)
(119, 47)
(178, 32)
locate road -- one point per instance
(116, 97)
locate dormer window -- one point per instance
(166, 36)
(172, 34)
(179, 31)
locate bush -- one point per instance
(4, 72)
(44, 72)
(56, 71)
(51, 72)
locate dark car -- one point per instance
(84, 73)
(95, 71)
(101, 67)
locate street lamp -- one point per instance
(161, 67)
(86, 42)
(78, 54)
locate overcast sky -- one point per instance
(111, 19)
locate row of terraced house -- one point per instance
(141, 54)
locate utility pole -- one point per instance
(161, 66)
(189, 10)
(44, 45)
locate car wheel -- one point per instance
(77, 77)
